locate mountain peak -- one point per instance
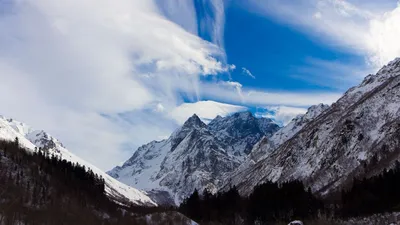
(315, 110)
(194, 121)
(191, 124)
(218, 117)
(243, 115)
(395, 61)
(317, 107)
(389, 70)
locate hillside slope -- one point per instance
(34, 139)
(357, 136)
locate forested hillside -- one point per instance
(268, 204)
(39, 188)
(272, 203)
(378, 194)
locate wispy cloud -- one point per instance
(228, 85)
(181, 12)
(247, 73)
(256, 97)
(212, 20)
(332, 74)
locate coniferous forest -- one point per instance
(38, 188)
(377, 194)
(271, 202)
(267, 204)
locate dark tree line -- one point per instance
(287, 201)
(272, 202)
(40, 188)
(267, 204)
(377, 194)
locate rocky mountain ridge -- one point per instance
(195, 156)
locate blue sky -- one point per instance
(106, 77)
(273, 52)
(278, 55)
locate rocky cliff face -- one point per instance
(195, 156)
(358, 135)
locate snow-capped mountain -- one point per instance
(33, 139)
(357, 136)
(195, 156)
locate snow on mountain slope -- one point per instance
(195, 156)
(198, 159)
(143, 166)
(190, 159)
(357, 136)
(297, 124)
(241, 131)
(32, 139)
(266, 146)
(9, 132)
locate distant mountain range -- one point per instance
(195, 156)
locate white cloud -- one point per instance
(213, 20)
(232, 84)
(384, 33)
(318, 15)
(247, 73)
(63, 64)
(159, 108)
(182, 12)
(206, 110)
(368, 28)
(281, 114)
(227, 92)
